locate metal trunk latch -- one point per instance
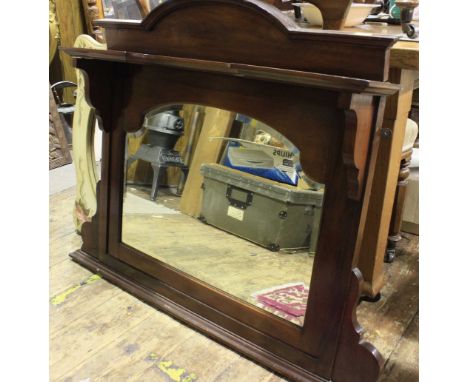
(239, 197)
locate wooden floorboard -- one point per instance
(387, 319)
(100, 333)
(65, 275)
(402, 365)
(74, 304)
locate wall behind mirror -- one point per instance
(222, 197)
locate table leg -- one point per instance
(394, 235)
(382, 186)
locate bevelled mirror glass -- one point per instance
(222, 197)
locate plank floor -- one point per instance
(223, 260)
(100, 333)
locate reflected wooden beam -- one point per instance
(217, 123)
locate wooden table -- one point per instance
(404, 67)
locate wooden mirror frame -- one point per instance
(323, 90)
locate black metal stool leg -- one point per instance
(156, 174)
(183, 179)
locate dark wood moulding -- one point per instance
(298, 77)
(227, 30)
(323, 90)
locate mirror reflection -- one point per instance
(222, 197)
(128, 9)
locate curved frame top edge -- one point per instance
(268, 11)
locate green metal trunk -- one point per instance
(273, 215)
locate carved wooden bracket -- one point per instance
(359, 117)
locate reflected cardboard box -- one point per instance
(265, 161)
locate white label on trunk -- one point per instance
(235, 213)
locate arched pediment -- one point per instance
(248, 32)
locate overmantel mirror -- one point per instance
(236, 149)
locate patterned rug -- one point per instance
(288, 301)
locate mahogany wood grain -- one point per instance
(357, 134)
(321, 158)
(351, 371)
(245, 24)
(290, 79)
(297, 77)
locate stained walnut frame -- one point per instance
(332, 112)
